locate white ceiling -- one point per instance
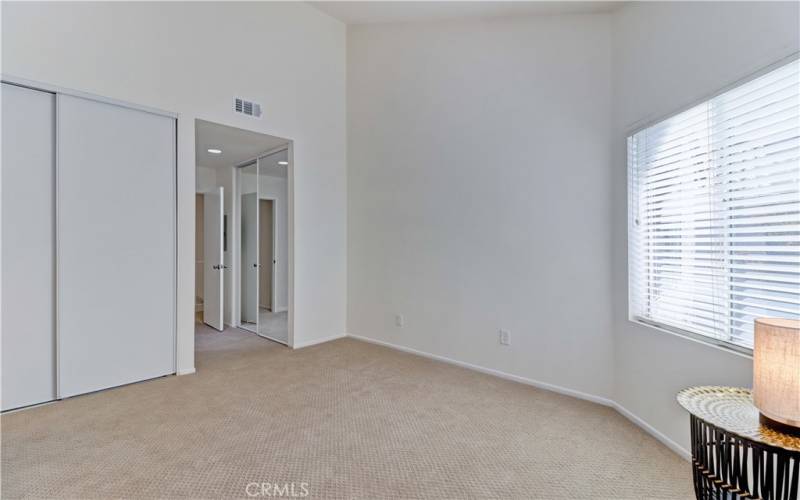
(237, 145)
(366, 12)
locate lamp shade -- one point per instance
(776, 372)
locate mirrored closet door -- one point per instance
(263, 192)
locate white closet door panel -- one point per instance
(28, 246)
(116, 251)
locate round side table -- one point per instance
(733, 455)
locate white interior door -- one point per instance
(116, 245)
(28, 246)
(213, 272)
(249, 261)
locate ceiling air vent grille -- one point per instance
(246, 107)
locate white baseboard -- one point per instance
(187, 371)
(672, 445)
(281, 309)
(669, 443)
(490, 371)
(308, 343)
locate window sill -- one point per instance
(721, 345)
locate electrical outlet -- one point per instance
(505, 337)
(399, 320)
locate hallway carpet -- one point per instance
(345, 419)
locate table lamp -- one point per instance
(776, 373)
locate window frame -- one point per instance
(637, 127)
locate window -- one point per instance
(714, 212)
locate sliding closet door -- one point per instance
(28, 241)
(116, 245)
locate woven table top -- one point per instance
(732, 409)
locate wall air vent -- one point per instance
(246, 107)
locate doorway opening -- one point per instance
(242, 233)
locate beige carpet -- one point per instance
(349, 419)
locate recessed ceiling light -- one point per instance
(215, 151)
(283, 163)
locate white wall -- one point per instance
(479, 193)
(192, 58)
(666, 56)
(487, 188)
(206, 179)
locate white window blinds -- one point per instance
(714, 212)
